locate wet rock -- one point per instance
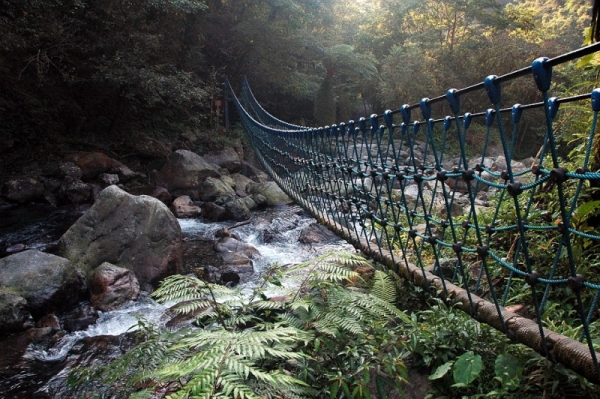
(69, 169)
(14, 315)
(241, 182)
(136, 233)
(215, 190)
(184, 207)
(80, 318)
(50, 320)
(49, 283)
(184, 172)
(317, 234)
(123, 172)
(13, 249)
(74, 191)
(213, 212)
(227, 158)
(23, 190)
(224, 232)
(228, 244)
(271, 191)
(112, 287)
(237, 210)
(93, 163)
(108, 179)
(254, 173)
(160, 193)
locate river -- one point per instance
(40, 372)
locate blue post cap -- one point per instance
(596, 100)
(389, 120)
(425, 108)
(351, 128)
(454, 100)
(334, 130)
(416, 125)
(374, 123)
(405, 111)
(542, 74)
(430, 123)
(447, 122)
(553, 105)
(490, 115)
(467, 118)
(517, 112)
(362, 124)
(323, 131)
(342, 128)
(493, 89)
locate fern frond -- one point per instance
(383, 287)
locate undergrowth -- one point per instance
(325, 328)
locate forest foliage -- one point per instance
(109, 68)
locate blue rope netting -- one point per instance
(428, 193)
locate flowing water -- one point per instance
(39, 370)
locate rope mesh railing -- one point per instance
(487, 233)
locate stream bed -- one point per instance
(39, 370)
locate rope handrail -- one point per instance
(465, 224)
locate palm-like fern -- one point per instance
(318, 302)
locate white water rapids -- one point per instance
(274, 232)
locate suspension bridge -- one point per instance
(391, 184)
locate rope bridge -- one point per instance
(490, 235)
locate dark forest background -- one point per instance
(77, 74)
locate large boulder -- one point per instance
(227, 158)
(184, 173)
(112, 286)
(271, 191)
(138, 233)
(47, 282)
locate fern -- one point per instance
(260, 347)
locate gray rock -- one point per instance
(14, 315)
(241, 182)
(48, 282)
(228, 244)
(112, 287)
(271, 191)
(317, 234)
(215, 190)
(69, 169)
(227, 158)
(160, 193)
(184, 173)
(184, 207)
(237, 210)
(74, 191)
(23, 190)
(213, 212)
(108, 179)
(136, 233)
(252, 172)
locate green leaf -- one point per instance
(441, 371)
(467, 368)
(508, 370)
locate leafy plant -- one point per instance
(330, 335)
